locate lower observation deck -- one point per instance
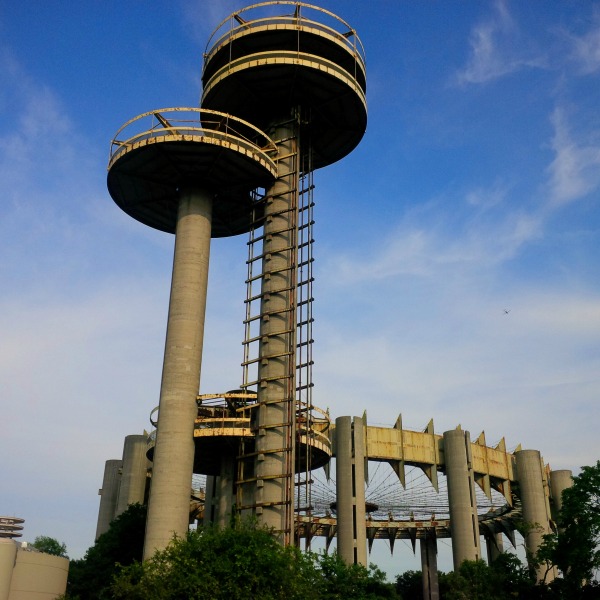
(157, 154)
(225, 419)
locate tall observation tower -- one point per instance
(300, 77)
(284, 94)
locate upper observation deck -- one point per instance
(157, 154)
(261, 65)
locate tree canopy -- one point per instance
(573, 548)
(50, 545)
(90, 578)
(244, 562)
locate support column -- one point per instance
(534, 500)
(350, 490)
(464, 523)
(495, 546)
(275, 441)
(108, 495)
(431, 589)
(169, 503)
(134, 473)
(210, 500)
(225, 491)
(559, 481)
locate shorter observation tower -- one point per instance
(187, 171)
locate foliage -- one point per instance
(90, 578)
(336, 579)
(506, 578)
(246, 562)
(50, 545)
(410, 585)
(574, 547)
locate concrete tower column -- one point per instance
(108, 495)
(169, 502)
(494, 544)
(534, 500)
(8, 556)
(134, 473)
(431, 589)
(225, 490)
(464, 524)
(350, 490)
(559, 481)
(210, 500)
(275, 462)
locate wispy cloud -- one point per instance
(203, 16)
(586, 48)
(575, 170)
(494, 49)
(426, 243)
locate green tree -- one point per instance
(336, 579)
(244, 562)
(574, 547)
(49, 545)
(410, 585)
(90, 578)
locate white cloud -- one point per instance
(586, 48)
(495, 49)
(575, 170)
(426, 243)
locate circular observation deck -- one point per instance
(11, 527)
(261, 64)
(156, 154)
(225, 419)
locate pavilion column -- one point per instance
(350, 490)
(535, 506)
(431, 590)
(464, 523)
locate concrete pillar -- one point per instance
(560, 480)
(169, 502)
(210, 500)
(225, 491)
(350, 490)
(464, 523)
(274, 465)
(431, 589)
(8, 556)
(495, 546)
(108, 495)
(534, 500)
(134, 473)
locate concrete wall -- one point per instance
(8, 555)
(32, 575)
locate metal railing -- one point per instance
(180, 122)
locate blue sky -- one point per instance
(475, 189)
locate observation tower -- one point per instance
(297, 72)
(284, 94)
(187, 171)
